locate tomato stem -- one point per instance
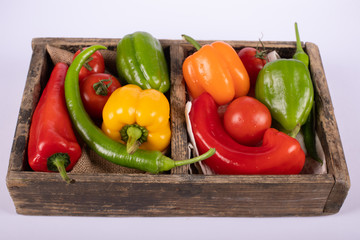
(260, 54)
(101, 88)
(87, 65)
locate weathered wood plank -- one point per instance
(329, 133)
(37, 71)
(169, 195)
(179, 138)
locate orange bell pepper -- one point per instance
(216, 69)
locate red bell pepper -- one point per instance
(52, 142)
(278, 154)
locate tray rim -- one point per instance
(337, 170)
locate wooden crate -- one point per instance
(179, 192)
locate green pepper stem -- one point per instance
(295, 131)
(300, 53)
(134, 135)
(191, 41)
(132, 143)
(196, 159)
(298, 42)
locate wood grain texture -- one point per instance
(169, 195)
(37, 70)
(176, 193)
(329, 133)
(179, 138)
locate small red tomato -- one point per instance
(95, 90)
(95, 64)
(246, 120)
(254, 61)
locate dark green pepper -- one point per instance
(285, 87)
(141, 60)
(111, 150)
(308, 131)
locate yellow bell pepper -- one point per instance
(139, 118)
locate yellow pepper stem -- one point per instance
(134, 135)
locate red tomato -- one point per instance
(95, 90)
(95, 64)
(253, 61)
(246, 120)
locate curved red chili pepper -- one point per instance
(52, 142)
(278, 154)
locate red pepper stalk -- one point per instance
(278, 154)
(52, 142)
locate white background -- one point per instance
(332, 25)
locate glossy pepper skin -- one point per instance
(147, 111)
(278, 154)
(216, 69)
(52, 142)
(141, 60)
(285, 87)
(111, 150)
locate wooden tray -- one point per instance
(183, 191)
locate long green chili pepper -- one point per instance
(111, 150)
(308, 129)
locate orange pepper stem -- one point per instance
(192, 41)
(134, 135)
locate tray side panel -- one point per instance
(329, 133)
(37, 71)
(172, 195)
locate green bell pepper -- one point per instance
(285, 87)
(141, 60)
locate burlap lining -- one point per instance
(90, 162)
(60, 55)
